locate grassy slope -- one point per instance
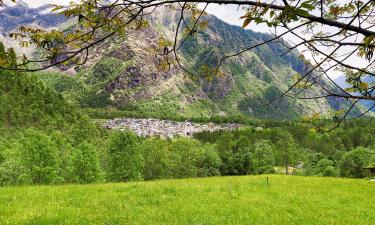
(226, 200)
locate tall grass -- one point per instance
(284, 200)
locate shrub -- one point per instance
(105, 68)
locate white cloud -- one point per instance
(37, 3)
(228, 13)
(232, 14)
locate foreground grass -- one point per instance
(221, 200)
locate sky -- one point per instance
(228, 13)
(37, 3)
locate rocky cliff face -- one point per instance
(125, 72)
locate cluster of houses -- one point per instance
(164, 128)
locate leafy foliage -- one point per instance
(26, 101)
(125, 157)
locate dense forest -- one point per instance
(45, 139)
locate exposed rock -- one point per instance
(219, 87)
(123, 53)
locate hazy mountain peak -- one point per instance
(22, 4)
(15, 15)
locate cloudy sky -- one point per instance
(230, 14)
(36, 3)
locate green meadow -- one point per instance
(284, 200)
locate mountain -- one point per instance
(14, 16)
(22, 14)
(125, 72)
(341, 81)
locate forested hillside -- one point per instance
(129, 73)
(47, 138)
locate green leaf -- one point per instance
(258, 20)
(307, 6)
(367, 40)
(302, 12)
(246, 22)
(272, 13)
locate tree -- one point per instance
(243, 155)
(2, 53)
(354, 162)
(12, 169)
(11, 58)
(40, 157)
(263, 157)
(287, 148)
(2, 2)
(85, 164)
(224, 149)
(186, 156)
(65, 150)
(158, 160)
(125, 157)
(311, 162)
(104, 69)
(210, 163)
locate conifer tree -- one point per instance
(12, 58)
(2, 51)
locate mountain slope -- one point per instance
(248, 82)
(341, 81)
(125, 72)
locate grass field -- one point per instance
(222, 200)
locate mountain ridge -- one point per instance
(136, 83)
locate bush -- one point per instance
(329, 171)
(105, 68)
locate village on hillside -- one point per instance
(165, 128)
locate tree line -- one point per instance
(35, 156)
(44, 139)
(297, 148)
